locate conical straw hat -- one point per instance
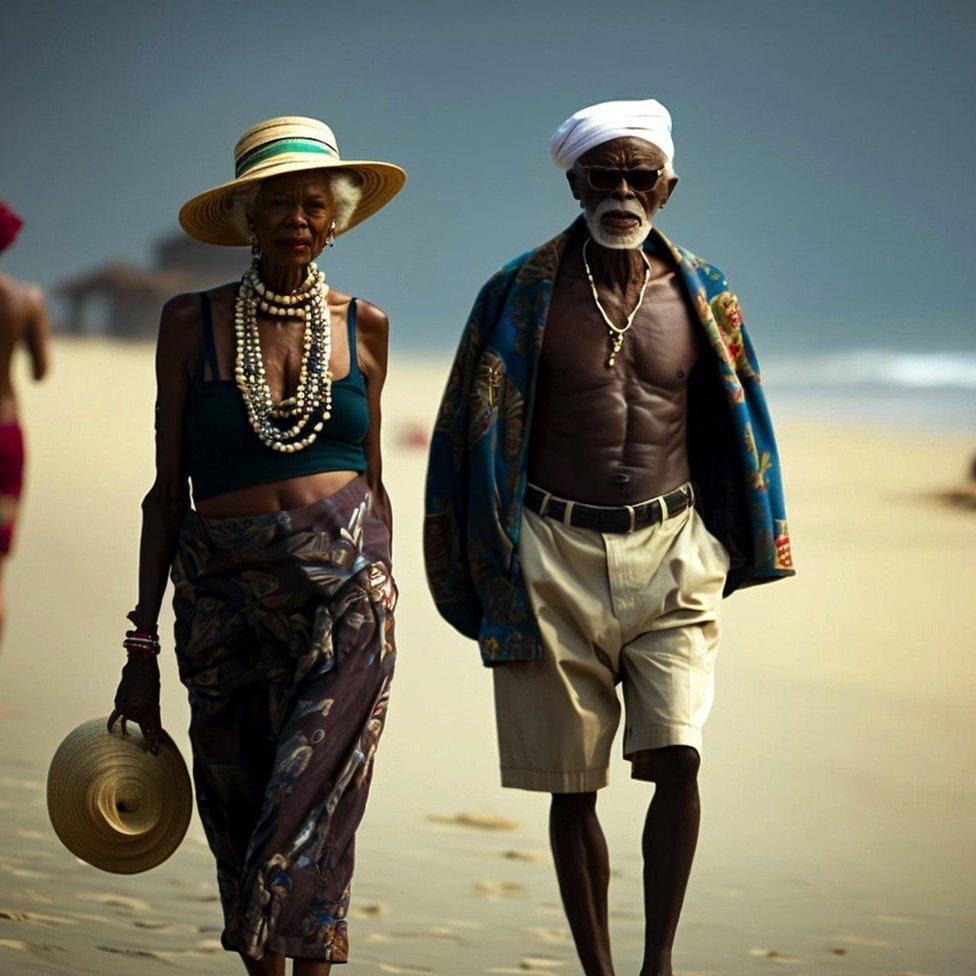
(115, 805)
(285, 144)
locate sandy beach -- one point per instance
(838, 783)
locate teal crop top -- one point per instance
(222, 452)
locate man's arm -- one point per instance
(38, 334)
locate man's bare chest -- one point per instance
(657, 351)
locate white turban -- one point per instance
(647, 119)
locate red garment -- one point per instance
(11, 481)
(10, 224)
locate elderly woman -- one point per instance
(269, 402)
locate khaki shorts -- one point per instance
(639, 608)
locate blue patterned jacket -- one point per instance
(478, 453)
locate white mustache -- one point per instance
(628, 206)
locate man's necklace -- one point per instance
(616, 333)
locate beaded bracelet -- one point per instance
(141, 642)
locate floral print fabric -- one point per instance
(284, 640)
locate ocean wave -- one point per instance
(873, 367)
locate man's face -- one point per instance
(618, 214)
(291, 216)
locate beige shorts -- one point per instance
(639, 608)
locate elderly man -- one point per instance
(602, 472)
(23, 320)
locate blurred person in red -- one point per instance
(23, 320)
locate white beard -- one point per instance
(619, 242)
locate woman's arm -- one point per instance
(38, 335)
(373, 334)
(137, 697)
(169, 497)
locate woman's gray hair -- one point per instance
(345, 188)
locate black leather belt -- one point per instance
(610, 518)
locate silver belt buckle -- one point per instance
(633, 517)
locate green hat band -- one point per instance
(278, 147)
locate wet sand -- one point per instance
(838, 779)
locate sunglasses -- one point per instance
(640, 180)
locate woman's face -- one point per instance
(292, 216)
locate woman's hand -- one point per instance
(137, 699)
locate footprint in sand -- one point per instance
(123, 902)
(529, 856)
(15, 944)
(35, 918)
(476, 820)
(775, 955)
(496, 890)
(165, 928)
(35, 948)
(862, 940)
(142, 953)
(540, 963)
(368, 910)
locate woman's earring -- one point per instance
(330, 240)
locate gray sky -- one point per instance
(826, 152)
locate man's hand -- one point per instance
(137, 699)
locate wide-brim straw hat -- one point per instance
(283, 145)
(115, 805)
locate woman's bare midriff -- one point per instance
(275, 496)
(8, 408)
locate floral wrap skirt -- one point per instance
(284, 641)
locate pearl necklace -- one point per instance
(313, 395)
(616, 333)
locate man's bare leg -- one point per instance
(583, 869)
(270, 964)
(670, 837)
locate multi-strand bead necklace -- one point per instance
(282, 425)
